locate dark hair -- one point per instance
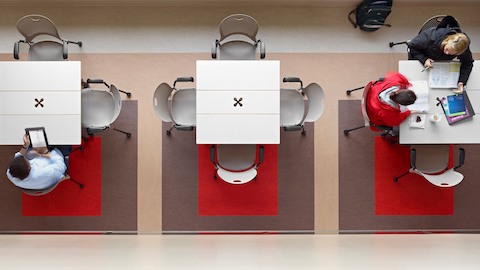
(19, 167)
(403, 97)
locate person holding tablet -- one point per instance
(444, 42)
(36, 168)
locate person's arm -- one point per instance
(466, 67)
(419, 45)
(26, 144)
(57, 161)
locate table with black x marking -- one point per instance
(238, 102)
(40, 94)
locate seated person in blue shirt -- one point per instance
(36, 168)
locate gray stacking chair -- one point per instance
(236, 163)
(300, 105)
(238, 39)
(176, 105)
(45, 44)
(431, 162)
(100, 108)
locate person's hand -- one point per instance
(459, 89)
(428, 63)
(41, 150)
(26, 141)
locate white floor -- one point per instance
(392, 251)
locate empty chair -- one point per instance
(45, 44)
(364, 110)
(236, 163)
(100, 108)
(431, 162)
(300, 105)
(176, 105)
(435, 21)
(238, 39)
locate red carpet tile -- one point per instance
(258, 197)
(412, 194)
(68, 199)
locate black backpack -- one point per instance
(370, 15)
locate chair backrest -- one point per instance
(292, 107)
(316, 102)
(183, 107)
(364, 108)
(160, 102)
(99, 108)
(440, 21)
(34, 25)
(239, 24)
(117, 101)
(40, 192)
(238, 39)
(42, 36)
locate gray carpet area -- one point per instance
(295, 188)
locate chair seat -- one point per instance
(292, 108)
(98, 108)
(237, 177)
(449, 178)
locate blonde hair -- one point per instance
(457, 42)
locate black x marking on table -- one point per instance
(237, 102)
(39, 102)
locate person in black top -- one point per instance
(444, 42)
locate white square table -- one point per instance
(238, 102)
(40, 94)
(464, 132)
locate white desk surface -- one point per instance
(58, 83)
(220, 119)
(465, 132)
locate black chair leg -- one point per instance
(78, 183)
(346, 131)
(124, 132)
(391, 44)
(395, 179)
(169, 131)
(351, 90)
(125, 92)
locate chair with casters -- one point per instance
(236, 163)
(100, 108)
(45, 44)
(386, 130)
(300, 105)
(435, 21)
(238, 39)
(39, 192)
(431, 162)
(176, 105)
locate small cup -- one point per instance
(435, 118)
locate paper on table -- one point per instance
(417, 120)
(421, 90)
(444, 75)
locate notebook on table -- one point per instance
(457, 107)
(37, 136)
(444, 75)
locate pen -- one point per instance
(425, 69)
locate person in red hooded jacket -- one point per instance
(385, 100)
